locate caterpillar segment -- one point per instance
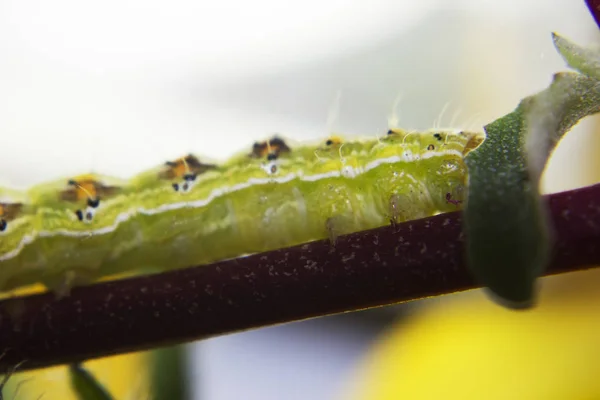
(190, 211)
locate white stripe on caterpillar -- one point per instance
(188, 212)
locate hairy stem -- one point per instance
(367, 269)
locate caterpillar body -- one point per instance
(189, 212)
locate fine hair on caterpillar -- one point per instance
(472, 123)
(188, 211)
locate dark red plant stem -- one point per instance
(594, 7)
(368, 269)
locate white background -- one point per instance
(119, 86)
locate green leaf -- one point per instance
(85, 386)
(508, 232)
(169, 378)
(584, 60)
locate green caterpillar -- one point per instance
(188, 212)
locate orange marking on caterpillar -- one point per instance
(270, 148)
(185, 166)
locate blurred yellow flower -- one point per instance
(466, 347)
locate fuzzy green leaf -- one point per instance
(508, 233)
(584, 60)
